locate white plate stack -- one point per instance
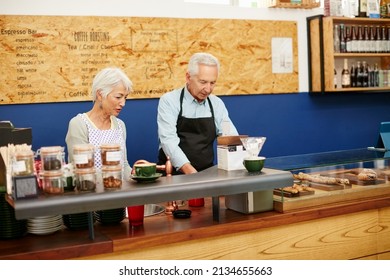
(45, 224)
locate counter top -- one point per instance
(212, 182)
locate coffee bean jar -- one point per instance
(53, 182)
(85, 179)
(23, 163)
(111, 154)
(112, 177)
(52, 158)
(83, 155)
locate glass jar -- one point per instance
(111, 154)
(112, 177)
(83, 156)
(53, 182)
(52, 158)
(85, 179)
(23, 163)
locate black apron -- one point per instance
(197, 137)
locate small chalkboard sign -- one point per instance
(24, 187)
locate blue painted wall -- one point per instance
(293, 123)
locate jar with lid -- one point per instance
(23, 163)
(111, 154)
(83, 155)
(85, 179)
(112, 177)
(52, 158)
(53, 182)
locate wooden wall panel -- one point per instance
(54, 58)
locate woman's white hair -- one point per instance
(201, 58)
(107, 79)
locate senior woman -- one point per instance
(101, 124)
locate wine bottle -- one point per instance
(366, 40)
(384, 40)
(383, 8)
(335, 78)
(378, 47)
(343, 43)
(354, 40)
(365, 74)
(376, 75)
(372, 39)
(362, 8)
(345, 75)
(359, 74)
(353, 75)
(348, 39)
(336, 39)
(360, 39)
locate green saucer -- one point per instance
(143, 179)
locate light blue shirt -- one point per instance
(168, 112)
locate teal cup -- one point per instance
(254, 164)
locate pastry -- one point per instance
(367, 175)
(321, 179)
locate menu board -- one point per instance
(54, 58)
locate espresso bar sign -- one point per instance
(54, 59)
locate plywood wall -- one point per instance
(54, 58)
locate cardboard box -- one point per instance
(251, 202)
(230, 157)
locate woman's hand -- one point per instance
(138, 162)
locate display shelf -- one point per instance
(323, 59)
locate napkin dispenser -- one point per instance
(251, 202)
(230, 152)
(11, 135)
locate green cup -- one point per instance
(254, 164)
(145, 169)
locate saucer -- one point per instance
(142, 179)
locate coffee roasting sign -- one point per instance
(54, 58)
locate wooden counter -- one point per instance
(358, 229)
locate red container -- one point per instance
(136, 215)
(196, 202)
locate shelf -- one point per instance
(323, 60)
(361, 54)
(360, 20)
(306, 4)
(355, 90)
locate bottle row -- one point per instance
(357, 8)
(362, 75)
(361, 39)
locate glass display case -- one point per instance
(333, 177)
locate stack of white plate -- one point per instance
(45, 224)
